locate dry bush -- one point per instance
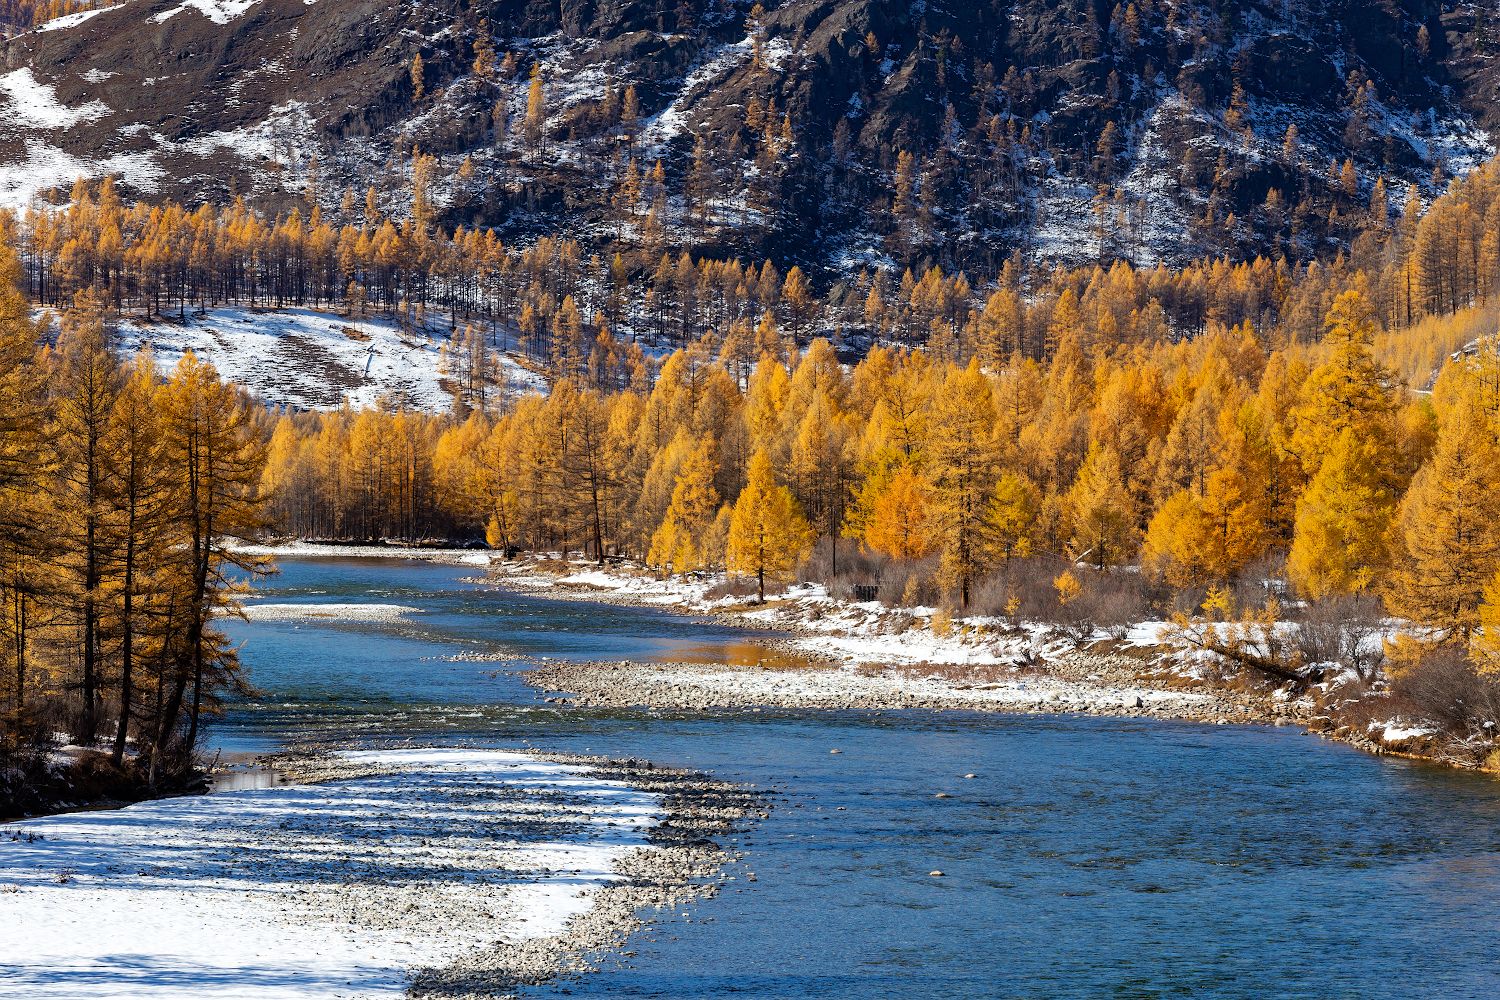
(733, 586)
(1186, 601)
(1266, 577)
(910, 582)
(1444, 688)
(1113, 601)
(1029, 581)
(854, 568)
(1343, 630)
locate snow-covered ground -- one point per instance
(67, 21)
(217, 11)
(310, 891)
(853, 633)
(308, 359)
(362, 613)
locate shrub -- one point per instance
(910, 583)
(1444, 688)
(941, 624)
(1343, 630)
(733, 586)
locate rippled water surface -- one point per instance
(1086, 857)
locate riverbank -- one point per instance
(703, 687)
(832, 654)
(431, 872)
(296, 549)
(43, 781)
(838, 654)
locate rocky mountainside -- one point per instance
(833, 133)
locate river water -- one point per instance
(1087, 857)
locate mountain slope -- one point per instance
(1155, 130)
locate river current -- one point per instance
(1085, 857)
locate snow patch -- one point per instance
(310, 360)
(35, 104)
(364, 613)
(217, 11)
(314, 550)
(1395, 732)
(75, 19)
(46, 166)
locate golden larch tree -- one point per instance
(768, 534)
(678, 544)
(1339, 540)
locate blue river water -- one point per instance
(1086, 858)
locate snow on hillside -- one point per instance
(310, 360)
(74, 20)
(217, 11)
(31, 102)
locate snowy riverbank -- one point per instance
(698, 687)
(440, 871)
(862, 655)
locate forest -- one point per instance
(1259, 440)
(120, 489)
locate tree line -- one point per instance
(120, 487)
(1196, 459)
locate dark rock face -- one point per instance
(1021, 117)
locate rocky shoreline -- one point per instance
(1074, 681)
(699, 687)
(684, 861)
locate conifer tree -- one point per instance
(141, 497)
(86, 382)
(1351, 390)
(1449, 532)
(1339, 541)
(678, 544)
(768, 534)
(1013, 515)
(219, 457)
(418, 75)
(1100, 510)
(536, 112)
(894, 512)
(963, 460)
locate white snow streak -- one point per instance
(217, 11)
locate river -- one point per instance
(1086, 857)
